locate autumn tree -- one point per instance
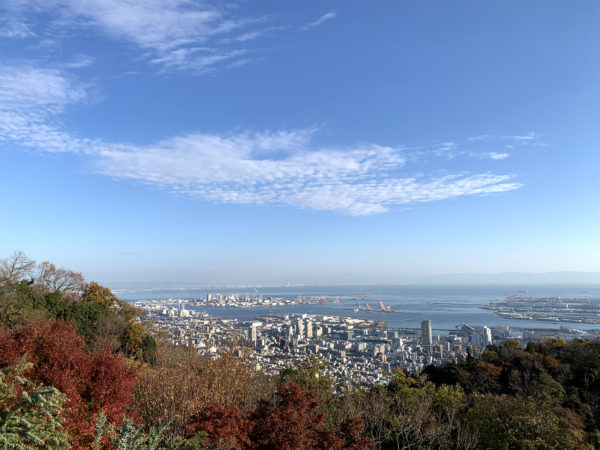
(294, 419)
(91, 382)
(181, 383)
(58, 279)
(223, 427)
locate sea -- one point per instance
(445, 305)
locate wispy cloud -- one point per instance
(324, 18)
(13, 23)
(79, 62)
(359, 181)
(505, 142)
(448, 150)
(14, 28)
(176, 33)
(252, 35)
(523, 138)
(201, 59)
(30, 99)
(517, 138)
(498, 156)
(32, 90)
(282, 167)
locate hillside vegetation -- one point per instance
(79, 370)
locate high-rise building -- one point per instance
(289, 331)
(426, 332)
(309, 329)
(253, 334)
(487, 336)
(300, 327)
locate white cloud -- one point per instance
(30, 98)
(481, 137)
(15, 29)
(324, 18)
(448, 150)
(177, 33)
(79, 62)
(189, 58)
(522, 138)
(507, 142)
(239, 63)
(24, 87)
(265, 168)
(251, 35)
(12, 22)
(234, 169)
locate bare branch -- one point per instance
(59, 279)
(15, 268)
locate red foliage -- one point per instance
(111, 385)
(351, 433)
(292, 421)
(296, 421)
(227, 426)
(59, 357)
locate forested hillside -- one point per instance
(79, 370)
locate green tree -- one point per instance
(310, 373)
(126, 437)
(506, 423)
(30, 413)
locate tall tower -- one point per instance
(426, 332)
(253, 334)
(309, 329)
(300, 327)
(487, 337)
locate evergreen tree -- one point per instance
(30, 413)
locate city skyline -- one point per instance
(284, 143)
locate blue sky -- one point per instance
(275, 142)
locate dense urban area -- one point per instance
(356, 351)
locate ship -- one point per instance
(386, 308)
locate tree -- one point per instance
(30, 413)
(58, 279)
(293, 420)
(15, 268)
(181, 383)
(126, 437)
(374, 407)
(310, 373)
(102, 319)
(59, 358)
(421, 415)
(505, 422)
(223, 427)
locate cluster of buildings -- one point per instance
(550, 309)
(355, 351)
(245, 301)
(242, 301)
